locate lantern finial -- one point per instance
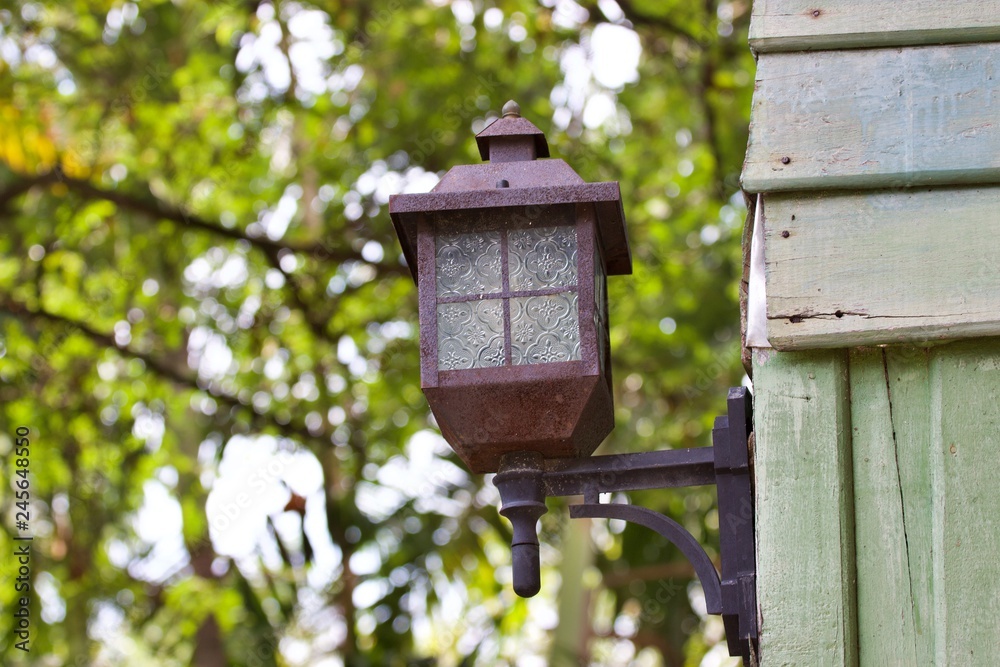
(511, 138)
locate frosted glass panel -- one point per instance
(470, 334)
(544, 329)
(542, 257)
(600, 315)
(600, 283)
(468, 264)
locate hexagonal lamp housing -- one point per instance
(511, 259)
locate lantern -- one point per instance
(511, 259)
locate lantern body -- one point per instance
(513, 306)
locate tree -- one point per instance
(206, 323)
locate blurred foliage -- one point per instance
(203, 306)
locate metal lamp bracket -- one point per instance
(525, 479)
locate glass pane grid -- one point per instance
(539, 288)
(512, 293)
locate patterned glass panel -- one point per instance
(470, 334)
(468, 264)
(600, 282)
(542, 257)
(600, 315)
(544, 329)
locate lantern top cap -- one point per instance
(511, 138)
(515, 178)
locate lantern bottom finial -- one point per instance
(521, 490)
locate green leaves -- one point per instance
(197, 246)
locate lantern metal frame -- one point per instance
(565, 408)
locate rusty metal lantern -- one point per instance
(511, 259)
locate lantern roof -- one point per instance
(511, 129)
(515, 177)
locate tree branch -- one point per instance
(661, 22)
(166, 371)
(20, 187)
(150, 205)
(316, 324)
(706, 90)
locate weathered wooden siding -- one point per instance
(859, 268)
(804, 515)
(877, 511)
(875, 118)
(878, 421)
(926, 433)
(800, 25)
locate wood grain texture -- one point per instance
(804, 509)
(848, 269)
(875, 118)
(886, 634)
(907, 373)
(965, 442)
(799, 25)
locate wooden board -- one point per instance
(913, 265)
(798, 25)
(875, 118)
(804, 509)
(887, 413)
(964, 447)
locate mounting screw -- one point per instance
(785, 234)
(786, 160)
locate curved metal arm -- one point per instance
(525, 479)
(670, 529)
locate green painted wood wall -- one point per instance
(882, 266)
(878, 511)
(874, 161)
